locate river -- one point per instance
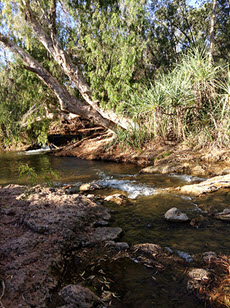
(141, 220)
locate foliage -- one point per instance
(46, 175)
(111, 46)
(137, 57)
(187, 102)
(24, 105)
(28, 172)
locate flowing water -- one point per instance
(141, 220)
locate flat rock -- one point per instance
(225, 215)
(174, 214)
(207, 186)
(167, 168)
(105, 234)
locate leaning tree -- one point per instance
(47, 21)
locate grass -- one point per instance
(190, 104)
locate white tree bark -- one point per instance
(212, 31)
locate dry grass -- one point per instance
(218, 292)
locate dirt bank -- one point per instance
(159, 157)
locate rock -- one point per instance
(167, 168)
(198, 170)
(184, 255)
(209, 256)
(35, 239)
(78, 296)
(86, 187)
(207, 186)
(105, 234)
(118, 245)
(200, 275)
(197, 222)
(225, 215)
(100, 223)
(89, 187)
(72, 190)
(116, 198)
(90, 196)
(174, 214)
(148, 249)
(198, 278)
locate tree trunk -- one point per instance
(67, 102)
(53, 46)
(212, 29)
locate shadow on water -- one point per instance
(126, 284)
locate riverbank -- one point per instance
(160, 157)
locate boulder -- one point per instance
(174, 214)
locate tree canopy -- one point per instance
(96, 58)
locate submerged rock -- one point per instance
(118, 245)
(149, 249)
(89, 187)
(225, 215)
(174, 214)
(199, 274)
(199, 278)
(78, 296)
(116, 198)
(167, 168)
(198, 221)
(209, 256)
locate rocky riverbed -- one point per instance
(55, 246)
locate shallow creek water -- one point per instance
(141, 220)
